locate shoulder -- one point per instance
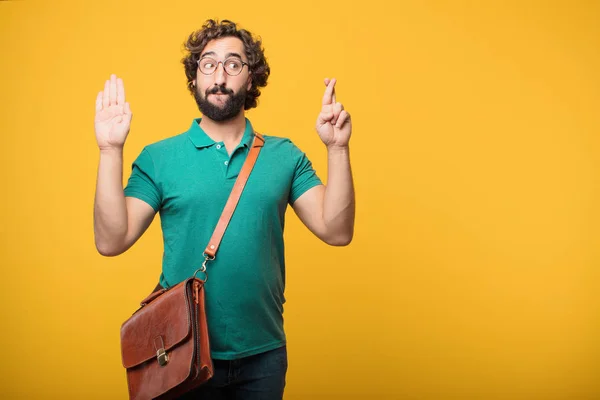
(172, 143)
(285, 154)
(156, 156)
(281, 144)
(272, 140)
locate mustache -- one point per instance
(219, 90)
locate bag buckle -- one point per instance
(161, 354)
(162, 357)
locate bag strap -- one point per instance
(234, 197)
(232, 201)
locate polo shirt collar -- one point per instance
(200, 139)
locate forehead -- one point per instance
(224, 47)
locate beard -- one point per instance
(224, 112)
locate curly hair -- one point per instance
(213, 29)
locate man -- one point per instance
(188, 178)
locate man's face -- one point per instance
(220, 96)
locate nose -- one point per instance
(220, 74)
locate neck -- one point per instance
(230, 132)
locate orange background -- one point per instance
(474, 269)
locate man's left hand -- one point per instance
(333, 124)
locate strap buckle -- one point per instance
(203, 267)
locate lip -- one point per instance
(219, 98)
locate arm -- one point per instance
(328, 211)
(118, 221)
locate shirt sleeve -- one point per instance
(305, 177)
(142, 182)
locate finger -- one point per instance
(325, 108)
(327, 97)
(327, 80)
(333, 100)
(325, 117)
(105, 99)
(99, 101)
(120, 92)
(337, 109)
(113, 90)
(342, 119)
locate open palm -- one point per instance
(113, 115)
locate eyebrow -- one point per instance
(212, 53)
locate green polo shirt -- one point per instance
(187, 178)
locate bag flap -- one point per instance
(164, 322)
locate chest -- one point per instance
(203, 183)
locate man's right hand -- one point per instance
(113, 115)
(119, 221)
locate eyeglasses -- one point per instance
(232, 66)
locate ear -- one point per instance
(249, 85)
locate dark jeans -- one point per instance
(258, 377)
